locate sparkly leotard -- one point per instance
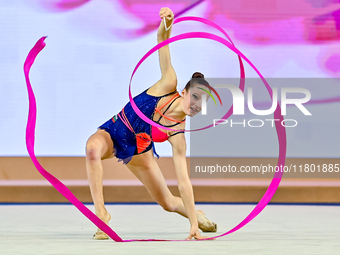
(130, 134)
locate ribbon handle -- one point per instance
(167, 28)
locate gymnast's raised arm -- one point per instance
(168, 82)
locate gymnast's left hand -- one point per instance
(194, 232)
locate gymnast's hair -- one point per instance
(197, 78)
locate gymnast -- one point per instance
(130, 139)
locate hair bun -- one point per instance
(197, 75)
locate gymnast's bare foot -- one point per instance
(100, 235)
(204, 223)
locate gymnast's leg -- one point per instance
(98, 147)
(146, 169)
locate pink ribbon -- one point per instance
(30, 129)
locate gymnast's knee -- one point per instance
(93, 151)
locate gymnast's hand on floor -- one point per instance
(194, 232)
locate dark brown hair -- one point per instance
(197, 77)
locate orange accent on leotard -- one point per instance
(143, 140)
(159, 110)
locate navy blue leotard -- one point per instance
(123, 139)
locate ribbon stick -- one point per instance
(281, 132)
(167, 28)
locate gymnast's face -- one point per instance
(192, 99)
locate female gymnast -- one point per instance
(130, 139)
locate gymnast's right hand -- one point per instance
(167, 13)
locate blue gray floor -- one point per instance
(62, 229)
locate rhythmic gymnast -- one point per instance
(130, 139)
